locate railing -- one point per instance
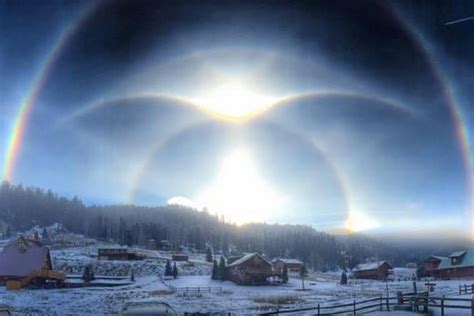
(195, 289)
(374, 304)
(466, 289)
(414, 302)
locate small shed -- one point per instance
(251, 269)
(378, 270)
(117, 253)
(25, 261)
(179, 257)
(293, 265)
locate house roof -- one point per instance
(457, 253)
(370, 266)
(466, 261)
(246, 258)
(22, 257)
(289, 261)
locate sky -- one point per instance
(335, 114)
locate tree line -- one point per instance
(21, 208)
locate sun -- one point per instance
(240, 193)
(233, 99)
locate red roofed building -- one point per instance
(23, 261)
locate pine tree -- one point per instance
(44, 234)
(215, 271)
(208, 254)
(343, 278)
(221, 270)
(88, 274)
(303, 275)
(168, 270)
(175, 271)
(284, 276)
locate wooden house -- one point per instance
(152, 244)
(164, 245)
(458, 265)
(25, 261)
(430, 266)
(117, 253)
(251, 269)
(293, 265)
(378, 270)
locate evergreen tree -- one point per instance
(221, 270)
(175, 271)
(343, 278)
(168, 270)
(303, 275)
(215, 271)
(88, 273)
(284, 276)
(44, 234)
(208, 254)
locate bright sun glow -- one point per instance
(239, 193)
(359, 221)
(234, 100)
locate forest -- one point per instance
(23, 207)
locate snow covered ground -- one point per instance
(232, 298)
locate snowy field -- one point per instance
(233, 298)
(225, 297)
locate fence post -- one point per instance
(319, 311)
(442, 305)
(354, 307)
(460, 292)
(381, 302)
(472, 288)
(472, 306)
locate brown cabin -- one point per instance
(117, 253)
(431, 265)
(379, 270)
(293, 265)
(251, 269)
(25, 261)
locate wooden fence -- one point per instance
(466, 289)
(408, 301)
(195, 289)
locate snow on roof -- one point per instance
(457, 253)
(466, 261)
(22, 257)
(369, 266)
(247, 257)
(289, 261)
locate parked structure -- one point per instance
(117, 253)
(379, 270)
(25, 261)
(293, 265)
(251, 269)
(459, 264)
